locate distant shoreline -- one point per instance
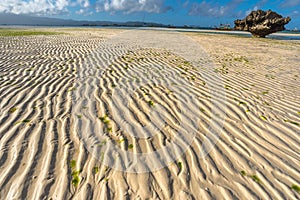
(283, 35)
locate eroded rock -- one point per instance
(261, 23)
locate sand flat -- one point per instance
(58, 93)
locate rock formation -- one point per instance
(261, 23)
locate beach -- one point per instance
(83, 110)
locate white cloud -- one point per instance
(84, 12)
(83, 3)
(250, 10)
(130, 6)
(61, 4)
(79, 12)
(34, 6)
(213, 9)
(295, 14)
(257, 6)
(186, 3)
(51, 7)
(290, 3)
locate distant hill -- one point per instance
(13, 19)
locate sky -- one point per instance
(207, 13)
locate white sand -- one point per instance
(53, 89)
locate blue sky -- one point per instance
(176, 12)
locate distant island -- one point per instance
(27, 20)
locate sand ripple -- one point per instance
(69, 102)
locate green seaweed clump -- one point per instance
(296, 188)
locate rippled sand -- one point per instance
(61, 96)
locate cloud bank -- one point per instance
(131, 6)
(52, 7)
(34, 6)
